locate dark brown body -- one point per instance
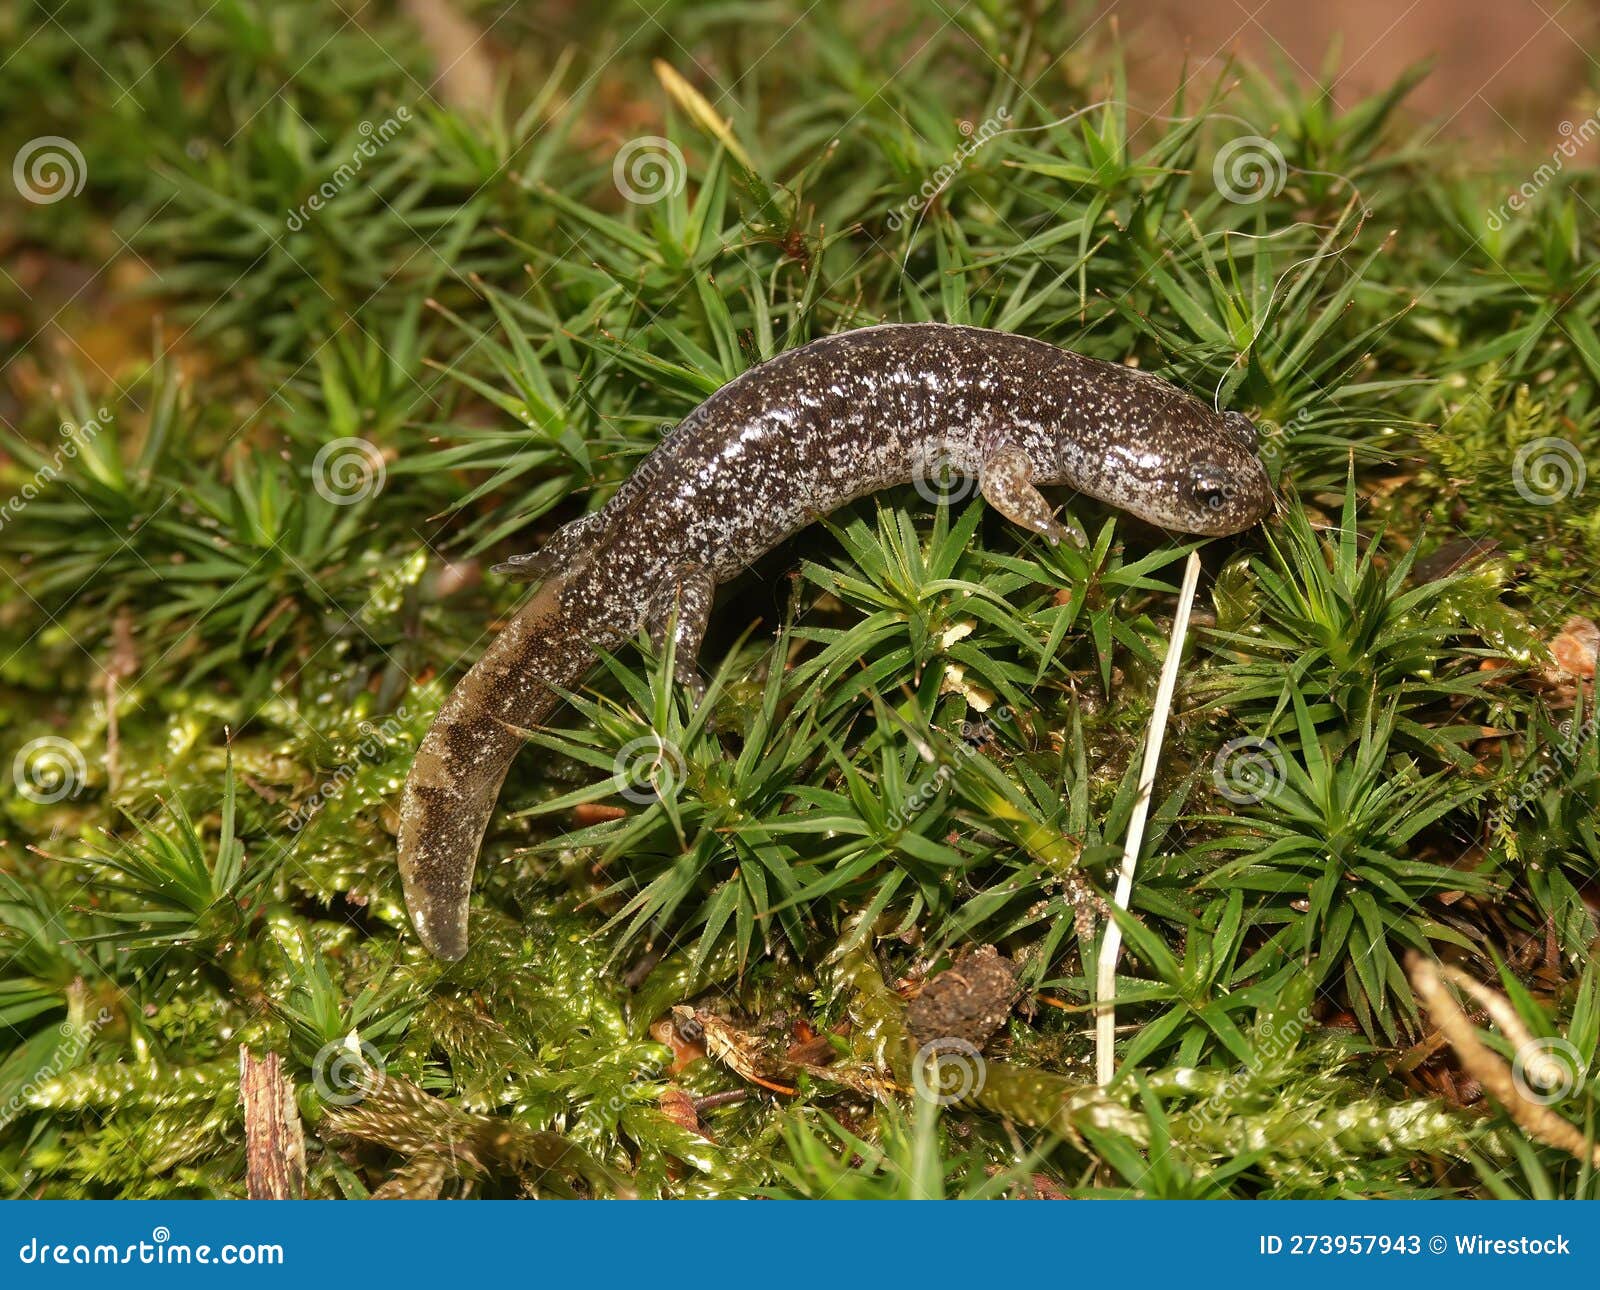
(775, 449)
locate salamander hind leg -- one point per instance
(1006, 481)
(685, 598)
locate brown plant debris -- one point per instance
(1487, 1067)
(1575, 646)
(969, 1001)
(274, 1145)
(440, 1141)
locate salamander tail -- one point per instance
(451, 792)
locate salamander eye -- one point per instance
(1243, 429)
(1211, 489)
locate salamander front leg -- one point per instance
(688, 596)
(1006, 481)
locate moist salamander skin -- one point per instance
(773, 450)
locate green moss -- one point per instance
(925, 728)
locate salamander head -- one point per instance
(1222, 487)
(1182, 466)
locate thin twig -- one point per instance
(1498, 1078)
(1105, 1022)
(124, 664)
(464, 78)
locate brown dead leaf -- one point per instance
(596, 813)
(679, 1107)
(740, 1052)
(1575, 646)
(685, 1052)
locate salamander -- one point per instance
(773, 450)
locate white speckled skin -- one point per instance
(763, 457)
